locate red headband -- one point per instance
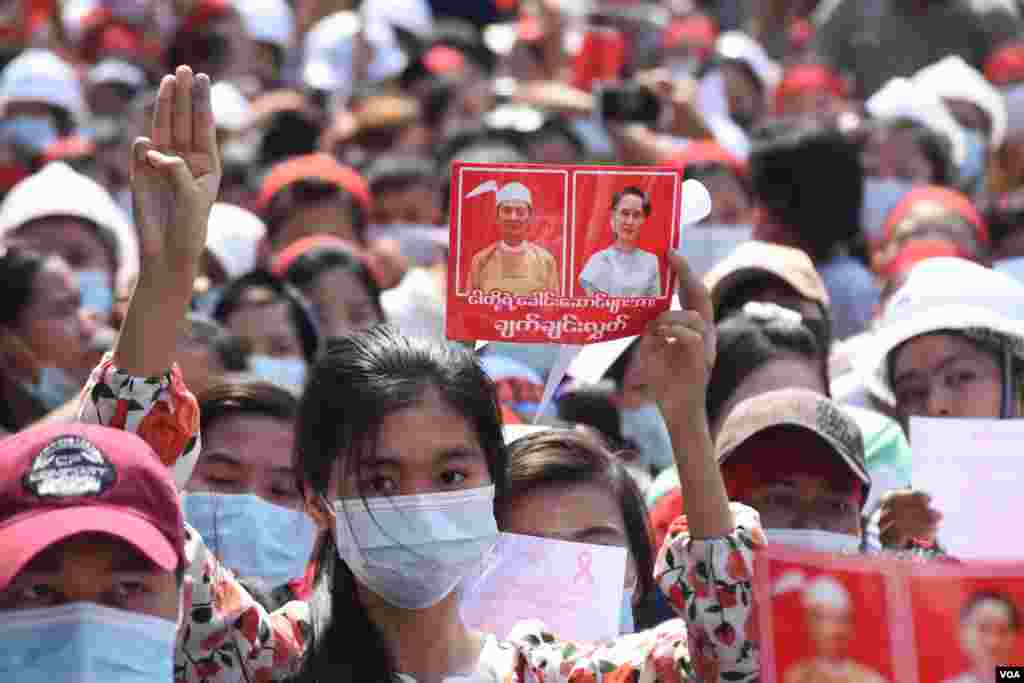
(808, 78)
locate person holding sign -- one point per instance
(829, 618)
(623, 269)
(513, 264)
(989, 626)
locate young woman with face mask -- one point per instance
(276, 325)
(401, 460)
(242, 496)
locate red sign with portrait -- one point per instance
(874, 619)
(560, 254)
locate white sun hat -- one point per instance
(328, 54)
(232, 237)
(59, 190)
(268, 21)
(41, 76)
(944, 294)
(954, 79)
(231, 110)
(738, 46)
(902, 98)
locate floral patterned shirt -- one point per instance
(227, 637)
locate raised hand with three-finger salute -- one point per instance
(676, 356)
(175, 177)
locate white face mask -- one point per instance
(881, 195)
(289, 373)
(413, 551)
(815, 540)
(55, 387)
(707, 244)
(86, 643)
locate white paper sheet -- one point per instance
(574, 588)
(973, 471)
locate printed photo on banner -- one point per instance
(973, 616)
(821, 619)
(559, 254)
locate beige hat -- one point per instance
(754, 260)
(802, 408)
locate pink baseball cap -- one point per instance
(57, 481)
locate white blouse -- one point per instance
(619, 273)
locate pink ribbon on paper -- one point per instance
(583, 564)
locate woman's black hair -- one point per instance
(357, 382)
(993, 596)
(390, 173)
(595, 407)
(562, 458)
(746, 342)
(296, 194)
(18, 270)
(302, 317)
(305, 269)
(737, 297)
(636, 192)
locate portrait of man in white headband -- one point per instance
(623, 269)
(513, 264)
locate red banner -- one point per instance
(560, 254)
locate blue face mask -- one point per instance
(973, 169)
(94, 288)
(252, 537)
(645, 427)
(881, 195)
(86, 643)
(54, 389)
(626, 622)
(289, 373)
(31, 135)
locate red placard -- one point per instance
(560, 254)
(820, 619)
(884, 619)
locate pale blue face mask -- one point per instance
(288, 373)
(881, 195)
(31, 135)
(95, 290)
(973, 169)
(645, 427)
(252, 537)
(54, 389)
(85, 643)
(206, 302)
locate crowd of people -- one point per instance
(236, 443)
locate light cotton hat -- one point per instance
(754, 260)
(414, 16)
(118, 72)
(59, 190)
(41, 76)
(738, 46)
(328, 59)
(231, 110)
(232, 238)
(953, 78)
(268, 21)
(902, 98)
(944, 294)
